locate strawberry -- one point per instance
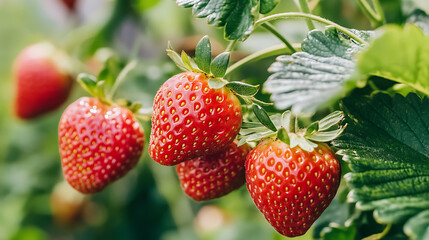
(291, 186)
(99, 143)
(190, 119)
(214, 175)
(42, 80)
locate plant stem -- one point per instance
(305, 9)
(231, 46)
(313, 17)
(272, 51)
(274, 31)
(376, 17)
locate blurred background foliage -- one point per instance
(148, 203)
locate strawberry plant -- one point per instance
(319, 107)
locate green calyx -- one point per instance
(106, 83)
(214, 69)
(285, 128)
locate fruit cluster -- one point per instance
(291, 174)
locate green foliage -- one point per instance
(420, 19)
(243, 89)
(236, 16)
(317, 76)
(220, 64)
(263, 117)
(143, 5)
(339, 233)
(203, 54)
(401, 55)
(386, 144)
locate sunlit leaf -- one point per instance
(401, 55)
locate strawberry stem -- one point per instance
(274, 31)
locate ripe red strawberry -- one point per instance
(290, 186)
(98, 143)
(42, 81)
(190, 119)
(214, 175)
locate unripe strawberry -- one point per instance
(99, 143)
(42, 80)
(290, 186)
(190, 119)
(214, 175)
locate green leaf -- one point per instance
(418, 226)
(220, 64)
(216, 83)
(143, 5)
(263, 117)
(319, 75)
(268, 5)
(203, 54)
(401, 55)
(386, 144)
(283, 136)
(339, 233)
(243, 89)
(88, 82)
(238, 16)
(420, 19)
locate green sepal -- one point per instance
(109, 72)
(312, 129)
(203, 54)
(88, 82)
(302, 142)
(330, 120)
(99, 90)
(175, 57)
(220, 64)
(325, 136)
(216, 83)
(243, 89)
(263, 117)
(285, 119)
(186, 61)
(259, 102)
(283, 136)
